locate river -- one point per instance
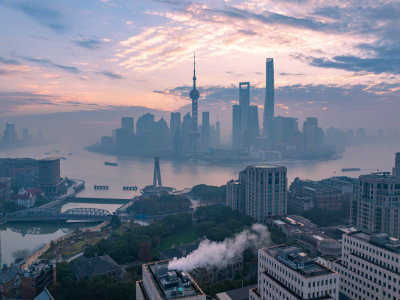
(90, 167)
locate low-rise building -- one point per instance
(5, 189)
(160, 282)
(285, 272)
(36, 278)
(87, 267)
(10, 282)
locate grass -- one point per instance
(183, 237)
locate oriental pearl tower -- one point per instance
(194, 95)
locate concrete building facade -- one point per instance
(284, 272)
(369, 267)
(261, 192)
(377, 204)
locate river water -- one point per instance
(90, 167)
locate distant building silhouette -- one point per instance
(205, 130)
(194, 95)
(9, 136)
(175, 122)
(269, 95)
(236, 127)
(313, 135)
(127, 124)
(396, 169)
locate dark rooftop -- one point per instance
(172, 284)
(94, 266)
(237, 294)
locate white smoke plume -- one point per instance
(220, 254)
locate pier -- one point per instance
(101, 187)
(129, 188)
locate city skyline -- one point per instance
(333, 61)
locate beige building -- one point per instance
(261, 192)
(377, 204)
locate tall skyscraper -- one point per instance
(244, 102)
(396, 169)
(262, 192)
(205, 130)
(253, 126)
(127, 125)
(313, 135)
(194, 95)
(377, 199)
(269, 104)
(236, 127)
(175, 122)
(9, 135)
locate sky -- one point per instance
(336, 60)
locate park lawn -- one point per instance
(183, 237)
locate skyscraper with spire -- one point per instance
(194, 95)
(269, 96)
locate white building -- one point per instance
(262, 192)
(160, 283)
(284, 272)
(369, 267)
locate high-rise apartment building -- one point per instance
(377, 203)
(161, 283)
(369, 267)
(285, 272)
(262, 192)
(396, 169)
(269, 104)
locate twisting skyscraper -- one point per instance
(269, 95)
(194, 95)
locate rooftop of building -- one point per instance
(172, 284)
(8, 274)
(18, 161)
(381, 240)
(266, 166)
(94, 266)
(380, 177)
(295, 259)
(37, 268)
(237, 294)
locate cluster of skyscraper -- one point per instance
(279, 133)
(181, 136)
(10, 138)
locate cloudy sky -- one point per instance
(337, 60)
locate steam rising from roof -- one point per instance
(220, 254)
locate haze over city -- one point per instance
(335, 60)
(199, 150)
